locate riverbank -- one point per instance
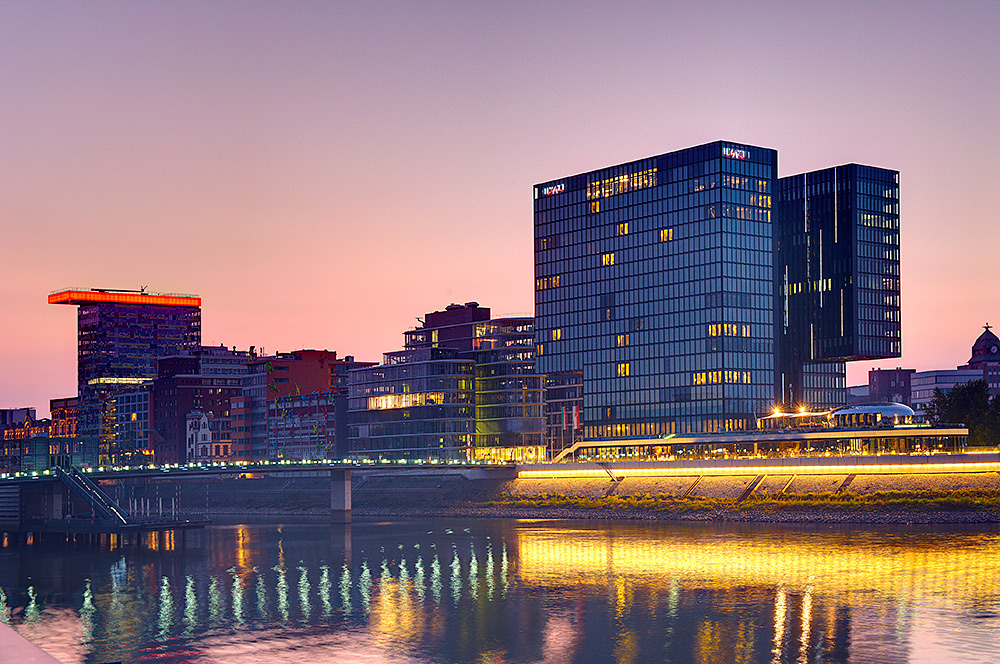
(897, 511)
(663, 494)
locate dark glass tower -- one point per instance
(836, 278)
(120, 334)
(654, 280)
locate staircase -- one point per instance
(99, 501)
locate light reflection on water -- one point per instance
(507, 591)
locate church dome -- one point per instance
(986, 348)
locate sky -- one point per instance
(323, 173)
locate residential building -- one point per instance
(120, 335)
(204, 380)
(836, 279)
(305, 426)
(654, 283)
(296, 373)
(890, 385)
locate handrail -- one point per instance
(90, 492)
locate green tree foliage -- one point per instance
(969, 404)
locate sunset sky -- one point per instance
(322, 173)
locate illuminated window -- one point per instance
(540, 349)
(623, 369)
(557, 334)
(666, 234)
(595, 206)
(608, 259)
(621, 340)
(622, 228)
(544, 283)
(621, 184)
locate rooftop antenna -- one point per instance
(142, 289)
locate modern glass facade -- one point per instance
(419, 404)
(654, 280)
(508, 391)
(837, 278)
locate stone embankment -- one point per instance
(952, 497)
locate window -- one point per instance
(608, 259)
(666, 234)
(623, 369)
(557, 334)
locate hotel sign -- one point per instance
(553, 189)
(735, 153)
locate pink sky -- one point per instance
(322, 173)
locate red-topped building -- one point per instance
(120, 335)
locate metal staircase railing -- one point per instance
(82, 486)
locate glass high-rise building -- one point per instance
(120, 334)
(836, 278)
(653, 279)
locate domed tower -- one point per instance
(985, 351)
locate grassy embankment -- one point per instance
(921, 500)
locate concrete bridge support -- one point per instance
(340, 495)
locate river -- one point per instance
(492, 591)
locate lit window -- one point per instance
(623, 369)
(622, 228)
(557, 334)
(666, 234)
(622, 340)
(608, 259)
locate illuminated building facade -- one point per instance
(509, 418)
(120, 334)
(420, 403)
(506, 422)
(36, 444)
(653, 280)
(563, 410)
(836, 278)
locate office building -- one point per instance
(464, 387)
(654, 283)
(420, 403)
(120, 334)
(836, 279)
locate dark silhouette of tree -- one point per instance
(968, 404)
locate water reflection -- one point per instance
(516, 592)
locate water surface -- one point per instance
(515, 591)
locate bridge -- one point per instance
(74, 503)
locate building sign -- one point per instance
(735, 153)
(553, 189)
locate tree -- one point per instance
(969, 404)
